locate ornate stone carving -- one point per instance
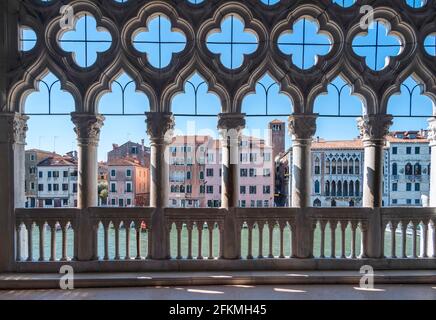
(302, 126)
(160, 126)
(88, 127)
(374, 128)
(231, 121)
(15, 126)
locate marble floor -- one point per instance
(233, 292)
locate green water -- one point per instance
(215, 243)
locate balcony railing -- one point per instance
(121, 239)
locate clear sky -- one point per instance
(55, 133)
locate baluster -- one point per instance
(221, 229)
(127, 227)
(53, 242)
(414, 240)
(250, 240)
(200, 240)
(179, 226)
(364, 230)
(211, 226)
(64, 241)
(433, 225)
(282, 240)
(18, 243)
(404, 239)
(189, 227)
(41, 226)
(271, 233)
(393, 228)
(30, 241)
(149, 239)
(353, 239)
(260, 225)
(333, 226)
(138, 240)
(106, 240)
(323, 225)
(344, 226)
(424, 253)
(117, 240)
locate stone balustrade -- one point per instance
(198, 239)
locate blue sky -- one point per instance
(55, 133)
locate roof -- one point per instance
(57, 161)
(355, 144)
(124, 162)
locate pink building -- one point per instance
(129, 183)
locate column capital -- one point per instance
(374, 128)
(302, 126)
(160, 126)
(13, 128)
(87, 127)
(231, 121)
(432, 131)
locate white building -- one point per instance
(57, 182)
(337, 171)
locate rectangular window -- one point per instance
(395, 187)
(395, 150)
(259, 203)
(32, 186)
(113, 173)
(253, 190)
(266, 189)
(244, 173)
(209, 189)
(74, 187)
(242, 189)
(202, 189)
(40, 174)
(209, 172)
(252, 203)
(49, 187)
(253, 173)
(243, 203)
(113, 202)
(209, 203)
(55, 174)
(40, 187)
(417, 201)
(409, 187)
(49, 174)
(417, 187)
(129, 187)
(113, 187)
(266, 204)
(55, 187)
(394, 201)
(129, 202)
(417, 150)
(266, 172)
(65, 174)
(188, 175)
(65, 187)
(48, 202)
(409, 150)
(267, 157)
(128, 173)
(201, 175)
(409, 201)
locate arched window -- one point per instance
(333, 189)
(345, 189)
(317, 166)
(345, 167)
(327, 167)
(418, 169)
(317, 187)
(357, 166)
(317, 203)
(339, 192)
(334, 166)
(350, 166)
(357, 193)
(327, 188)
(351, 189)
(339, 169)
(333, 203)
(394, 169)
(409, 169)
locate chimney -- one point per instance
(114, 146)
(317, 139)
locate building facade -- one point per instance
(57, 182)
(129, 183)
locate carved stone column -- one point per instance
(374, 129)
(432, 230)
(160, 127)
(230, 126)
(302, 127)
(87, 128)
(13, 128)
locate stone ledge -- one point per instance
(153, 279)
